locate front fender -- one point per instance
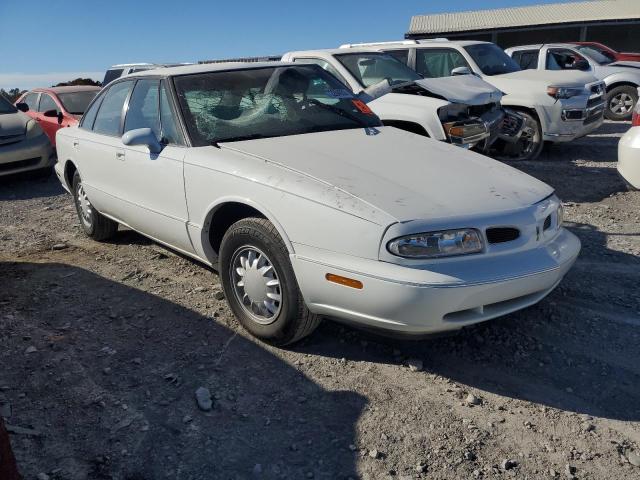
(412, 108)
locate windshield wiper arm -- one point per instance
(339, 111)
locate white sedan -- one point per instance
(289, 186)
(629, 152)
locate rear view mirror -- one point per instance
(142, 136)
(23, 107)
(461, 71)
(54, 114)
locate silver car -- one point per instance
(23, 144)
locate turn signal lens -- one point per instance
(347, 282)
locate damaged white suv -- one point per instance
(464, 111)
(556, 106)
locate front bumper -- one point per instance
(629, 157)
(26, 155)
(572, 118)
(416, 306)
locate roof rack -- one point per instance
(375, 44)
(267, 58)
(427, 40)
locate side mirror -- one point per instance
(142, 136)
(461, 71)
(23, 107)
(581, 65)
(54, 114)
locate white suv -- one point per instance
(557, 106)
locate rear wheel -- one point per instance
(620, 102)
(260, 285)
(529, 145)
(93, 223)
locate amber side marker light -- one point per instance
(347, 282)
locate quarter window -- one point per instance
(90, 115)
(435, 63)
(110, 114)
(47, 103)
(143, 111)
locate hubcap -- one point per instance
(85, 206)
(621, 104)
(256, 284)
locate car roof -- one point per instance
(150, 65)
(538, 46)
(335, 51)
(204, 68)
(435, 42)
(67, 89)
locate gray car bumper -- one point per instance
(26, 155)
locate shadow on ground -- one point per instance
(25, 187)
(111, 388)
(575, 351)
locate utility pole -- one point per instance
(8, 467)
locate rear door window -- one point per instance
(109, 116)
(527, 59)
(438, 62)
(143, 111)
(47, 103)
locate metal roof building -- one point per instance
(615, 22)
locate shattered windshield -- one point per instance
(372, 68)
(265, 102)
(597, 55)
(491, 59)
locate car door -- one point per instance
(438, 62)
(153, 184)
(50, 125)
(100, 152)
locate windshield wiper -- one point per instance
(239, 138)
(339, 111)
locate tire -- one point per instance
(530, 144)
(93, 223)
(620, 103)
(252, 292)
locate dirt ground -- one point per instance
(103, 345)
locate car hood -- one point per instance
(13, 124)
(510, 82)
(624, 63)
(406, 176)
(466, 89)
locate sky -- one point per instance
(43, 42)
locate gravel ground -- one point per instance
(103, 346)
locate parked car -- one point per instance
(463, 110)
(24, 147)
(629, 152)
(120, 70)
(307, 206)
(622, 79)
(556, 106)
(608, 52)
(56, 107)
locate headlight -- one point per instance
(445, 243)
(33, 129)
(564, 92)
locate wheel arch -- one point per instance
(621, 83)
(407, 125)
(70, 169)
(227, 211)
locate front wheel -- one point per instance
(529, 145)
(93, 223)
(260, 285)
(620, 103)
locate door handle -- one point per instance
(120, 155)
(76, 143)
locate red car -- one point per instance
(611, 53)
(56, 107)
